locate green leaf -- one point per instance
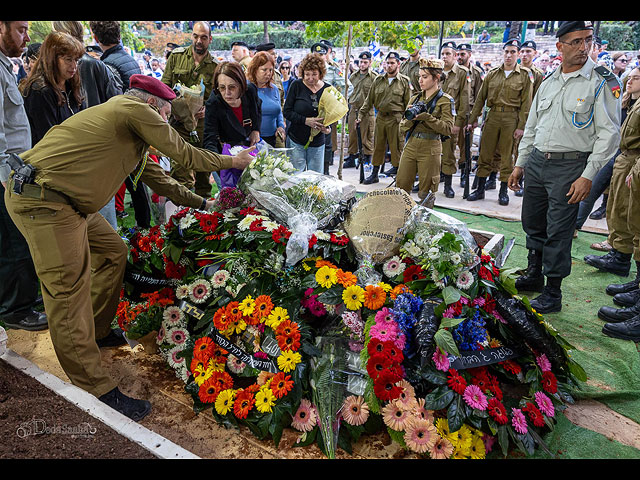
(456, 414)
(333, 296)
(451, 322)
(450, 295)
(440, 398)
(503, 439)
(444, 340)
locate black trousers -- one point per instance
(140, 200)
(547, 219)
(19, 282)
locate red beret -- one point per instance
(151, 85)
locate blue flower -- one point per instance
(470, 333)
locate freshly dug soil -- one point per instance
(35, 422)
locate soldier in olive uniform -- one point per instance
(411, 66)
(361, 81)
(389, 95)
(240, 53)
(457, 85)
(476, 75)
(507, 92)
(80, 260)
(423, 149)
(188, 66)
(572, 130)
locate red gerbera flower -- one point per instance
(497, 411)
(281, 384)
(249, 211)
(413, 272)
(456, 382)
(535, 415)
(313, 240)
(377, 364)
(233, 312)
(385, 387)
(209, 221)
(209, 391)
(264, 305)
(549, 382)
(221, 320)
(511, 366)
(341, 240)
(256, 225)
(485, 273)
(280, 234)
(243, 403)
(288, 335)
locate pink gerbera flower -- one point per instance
(384, 331)
(518, 421)
(544, 363)
(305, 418)
(384, 315)
(475, 398)
(544, 404)
(441, 360)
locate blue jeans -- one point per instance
(311, 158)
(109, 213)
(600, 183)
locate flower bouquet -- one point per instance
(332, 106)
(186, 104)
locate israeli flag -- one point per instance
(374, 48)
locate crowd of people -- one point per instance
(557, 129)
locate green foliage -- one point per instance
(283, 38)
(620, 35)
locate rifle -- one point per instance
(360, 153)
(467, 158)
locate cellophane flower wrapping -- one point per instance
(303, 201)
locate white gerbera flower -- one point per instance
(187, 220)
(270, 225)
(173, 359)
(176, 336)
(464, 280)
(200, 290)
(220, 278)
(172, 315)
(182, 291)
(235, 364)
(324, 236)
(394, 266)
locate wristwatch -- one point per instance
(204, 204)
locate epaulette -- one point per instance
(179, 50)
(612, 81)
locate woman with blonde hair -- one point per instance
(53, 90)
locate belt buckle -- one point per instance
(547, 156)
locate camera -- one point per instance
(415, 110)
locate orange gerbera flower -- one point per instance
(203, 348)
(346, 279)
(398, 289)
(281, 384)
(221, 320)
(288, 335)
(198, 365)
(218, 354)
(243, 404)
(264, 305)
(208, 391)
(233, 312)
(321, 263)
(374, 297)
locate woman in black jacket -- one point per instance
(232, 115)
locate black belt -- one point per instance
(564, 155)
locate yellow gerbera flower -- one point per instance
(236, 327)
(353, 297)
(265, 400)
(326, 276)
(477, 450)
(277, 316)
(442, 425)
(203, 374)
(385, 286)
(224, 402)
(461, 440)
(247, 306)
(288, 360)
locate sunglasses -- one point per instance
(285, 68)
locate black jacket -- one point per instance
(97, 80)
(124, 63)
(222, 126)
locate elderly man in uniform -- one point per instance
(240, 53)
(361, 81)
(507, 92)
(80, 259)
(19, 286)
(188, 66)
(477, 76)
(573, 129)
(389, 95)
(457, 84)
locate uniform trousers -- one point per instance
(421, 156)
(497, 137)
(634, 204)
(619, 211)
(367, 125)
(387, 132)
(81, 262)
(547, 218)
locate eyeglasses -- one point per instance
(285, 68)
(623, 60)
(579, 41)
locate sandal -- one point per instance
(601, 246)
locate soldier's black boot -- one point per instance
(532, 280)
(373, 178)
(627, 299)
(623, 288)
(350, 161)
(448, 191)
(392, 171)
(136, 410)
(491, 181)
(601, 212)
(627, 330)
(614, 315)
(550, 300)
(478, 194)
(614, 262)
(474, 185)
(503, 195)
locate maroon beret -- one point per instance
(151, 85)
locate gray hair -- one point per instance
(144, 95)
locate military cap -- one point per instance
(366, 55)
(529, 44)
(566, 27)
(265, 47)
(419, 37)
(449, 45)
(239, 43)
(318, 47)
(151, 85)
(597, 40)
(432, 63)
(172, 45)
(464, 47)
(512, 43)
(326, 43)
(393, 55)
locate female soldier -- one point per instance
(423, 147)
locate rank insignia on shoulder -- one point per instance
(616, 91)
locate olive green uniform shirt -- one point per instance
(558, 103)
(477, 77)
(411, 69)
(457, 84)
(88, 156)
(439, 122)
(361, 85)
(385, 97)
(498, 90)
